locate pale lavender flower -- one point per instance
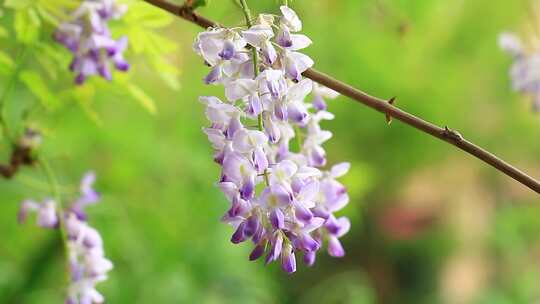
(320, 94)
(279, 199)
(47, 216)
(525, 71)
(88, 37)
(87, 263)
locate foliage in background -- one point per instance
(33, 57)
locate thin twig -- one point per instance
(55, 190)
(443, 133)
(20, 156)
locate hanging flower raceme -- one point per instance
(87, 263)
(88, 37)
(525, 71)
(282, 198)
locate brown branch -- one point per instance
(183, 11)
(20, 156)
(445, 134)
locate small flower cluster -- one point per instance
(88, 37)
(87, 263)
(281, 198)
(525, 71)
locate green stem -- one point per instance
(247, 12)
(247, 15)
(299, 140)
(39, 185)
(260, 125)
(286, 2)
(55, 189)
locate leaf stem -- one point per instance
(298, 136)
(260, 124)
(55, 189)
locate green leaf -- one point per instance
(6, 63)
(27, 25)
(46, 15)
(84, 95)
(37, 86)
(139, 95)
(140, 14)
(168, 72)
(18, 4)
(3, 32)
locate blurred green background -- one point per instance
(430, 223)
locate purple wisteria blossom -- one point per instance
(87, 263)
(88, 37)
(282, 197)
(525, 71)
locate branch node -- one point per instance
(452, 134)
(391, 101)
(20, 156)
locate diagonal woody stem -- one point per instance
(443, 133)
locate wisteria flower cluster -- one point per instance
(281, 198)
(88, 37)
(87, 262)
(525, 71)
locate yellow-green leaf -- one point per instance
(139, 95)
(27, 25)
(143, 15)
(6, 63)
(18, 4)
(3, 32)
(34, 82)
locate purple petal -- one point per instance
(214, 75)
(234, 125)
(277, 219)
(317, 157)
(275, 250)
(335, 248)
(282, 194)
(332, 225)
(308, 243)
(105, 72)
(297, 113)
(257, 252)
(79, 80)
(252, 225)
(248, 189)
(280, 110)
(239, 236)
(309, 258)
(302, 213)
(320, 212)
(258, 236)
(269, 53)
(288, 259)
(122, 65)
(228, 50)
(283, 37)
(46, 215)
(238, 208)
(318, 103)
(260, 160)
